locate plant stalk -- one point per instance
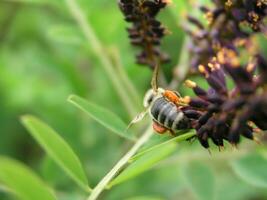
(182, 67)
(115, 54)
(120, 164)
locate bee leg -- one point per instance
(158, 128)
(137, 119)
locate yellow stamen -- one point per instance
(190, 84)
(201, 68)
(185, 100)
(228, 56)
(251, 66)
(255, 17)
(209, 17)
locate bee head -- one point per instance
(151, 95)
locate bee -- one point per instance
(164, 107)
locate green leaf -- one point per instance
(65, 34)
(200, 179)
(159, 146)
(22, 181)
(252, 169)
(57, 149)
(226, 181)
(144, 163)
(102, 116)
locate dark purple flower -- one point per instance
(228, 114)
(228, 22)
(146, 31)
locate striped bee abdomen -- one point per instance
(168, 115)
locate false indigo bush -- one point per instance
(218, 113)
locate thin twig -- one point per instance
(98, 49)
(129, 87)
(181, 69)
(162, 81)
(120, 164)
(154, 80)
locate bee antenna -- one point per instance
(154, 80)
(137, 119)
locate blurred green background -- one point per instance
(44, 57)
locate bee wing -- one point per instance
(137, 119)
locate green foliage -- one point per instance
(143, 163)
(22, 181)
(102, 116)
(65, 34)
(45, 57)
(252, 169)
(57, 149)
(200, 179)
(159, 146)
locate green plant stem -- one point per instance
(129, 87)
(177, 139)
(120, 164)
(182, 67)
(98, 50)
